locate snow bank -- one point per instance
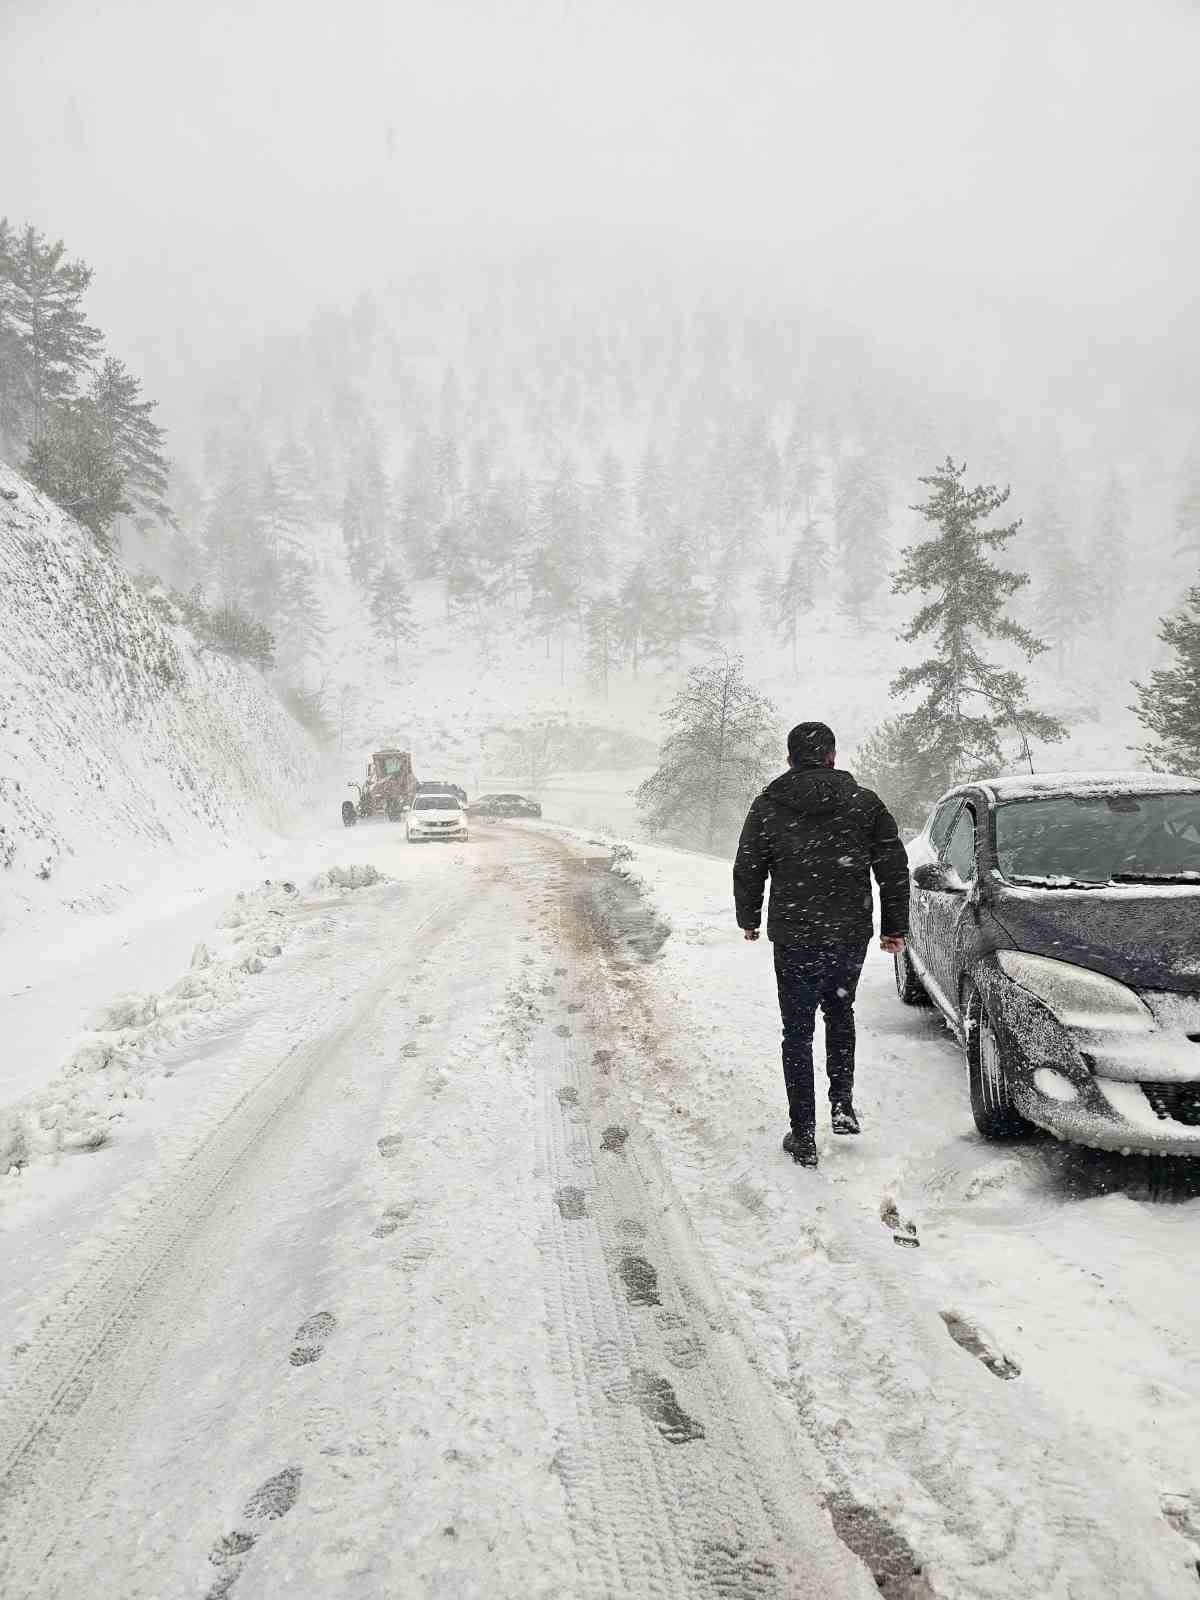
(123, 1043)
(119, 736)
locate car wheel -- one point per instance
(995, 1115)
(908, 986)
(395, 811)
(349, 815)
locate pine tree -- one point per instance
(635, 614)
(54, 343)
(682, 610)
(232, 539)
(1169, 706)
(12, 388)
(391, 609)
(1066, 595)
(969, 703)
(652, 495)
(71, 460)
(715, 759)
(296, 613)
(609, 507)
(861, 511)
(601, 627)
(134, 440)
(807, 570)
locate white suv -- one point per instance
(436, 816)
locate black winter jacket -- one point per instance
(820, 837)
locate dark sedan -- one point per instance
(1056, 925)
(504, 805)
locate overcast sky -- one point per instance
(224, 164)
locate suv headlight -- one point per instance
(1078, 997)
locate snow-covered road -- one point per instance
(457, 1257)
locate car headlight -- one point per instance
(1078, 997)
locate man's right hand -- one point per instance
(892, 944)
(749, 933)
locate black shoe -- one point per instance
(842, 1118)
(802, 1147)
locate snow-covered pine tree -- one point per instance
(391, 609)
(861, 513)
(652, 496)
(609, 505)
(635, 614)
(1169, 705)
(13, 400)
(232, 542)
(72, 461)
(601, 622)
(1066, 591)
(682, 611)
(53, 342)
(296, 616)
(970, 704)
(806, 574)
(718, 754)
(134, 439)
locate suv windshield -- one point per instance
(1100, 838)
(435, 802)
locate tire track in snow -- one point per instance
(73, 1388)
(679, 1478)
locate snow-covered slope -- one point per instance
(119, 737)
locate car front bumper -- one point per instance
(1124, 1090)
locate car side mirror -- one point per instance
(937, 878)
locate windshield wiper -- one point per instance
(1156, 877)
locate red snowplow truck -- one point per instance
(387, 790)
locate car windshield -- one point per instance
(1100, 838)
(435, 802)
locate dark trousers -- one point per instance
(812, 975)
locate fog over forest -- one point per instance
(592, 344)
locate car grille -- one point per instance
(1175, 1102)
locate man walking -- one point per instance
(819, 837)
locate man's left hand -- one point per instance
(749, 933)
(892, 943)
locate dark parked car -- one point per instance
(1056, 925)
(504, 805)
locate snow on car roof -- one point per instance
(1040, 785)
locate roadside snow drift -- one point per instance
(119, 736)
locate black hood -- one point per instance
(812, 791)
(1148, 938)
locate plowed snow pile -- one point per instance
(119, 736)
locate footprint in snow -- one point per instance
(271, 1500)
(639, 1279)
(576, 1005)
(904, 1231)
(563, 1031)
(571, 1202)
(614, 1137)
(976, 1342)
(568, 1096)
(389, 1145)
(393, 1216)
(310, 1339)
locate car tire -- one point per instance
(349, 815)
(908, 986)
(996, 1117)
(395, 811)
